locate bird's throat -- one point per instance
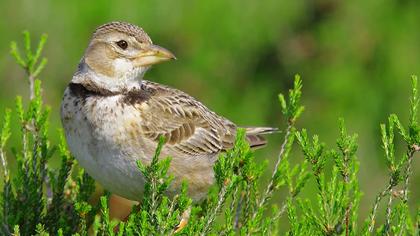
(100, 84)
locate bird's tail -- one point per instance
(254, 135)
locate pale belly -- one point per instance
(113, 170)
(102, 158)
(109, 151)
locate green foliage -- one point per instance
(339, 195)
(400, 172)
(292, 110)
(31, 62)
(39, 200)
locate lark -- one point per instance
(113, 117)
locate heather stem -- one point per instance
(283, 209)
(388, 213)
(213, 213)
(269, 189)
(415, 148)
(4, 164)
(376, 205)
(408, 171)
(31, 86)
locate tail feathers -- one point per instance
(255, 138)
(256, 141)
(260, 130)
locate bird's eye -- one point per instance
(122, 44)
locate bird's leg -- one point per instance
(184, 220)
(120, 208)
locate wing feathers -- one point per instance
(189, 127)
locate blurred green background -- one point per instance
(355, 58)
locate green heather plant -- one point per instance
(39, 200)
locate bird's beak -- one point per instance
(153, 54)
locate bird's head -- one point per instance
(120, 50)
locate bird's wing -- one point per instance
(188, 126)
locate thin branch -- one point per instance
(4, 164)
(212, 214)
(238, 211)
(346, 182)
(249, 206)
(347, 219)
(170, 211)
(269, 189)
(415, 148)
(283, 209)
(153, 198)
(31, 79)
(388, 213)
(376, 205)
(280, 156)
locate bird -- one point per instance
(113, 117)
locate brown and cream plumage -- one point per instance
(112, 117)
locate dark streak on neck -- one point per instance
(132, 97)
(88, 90)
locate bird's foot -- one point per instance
(184, 220)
